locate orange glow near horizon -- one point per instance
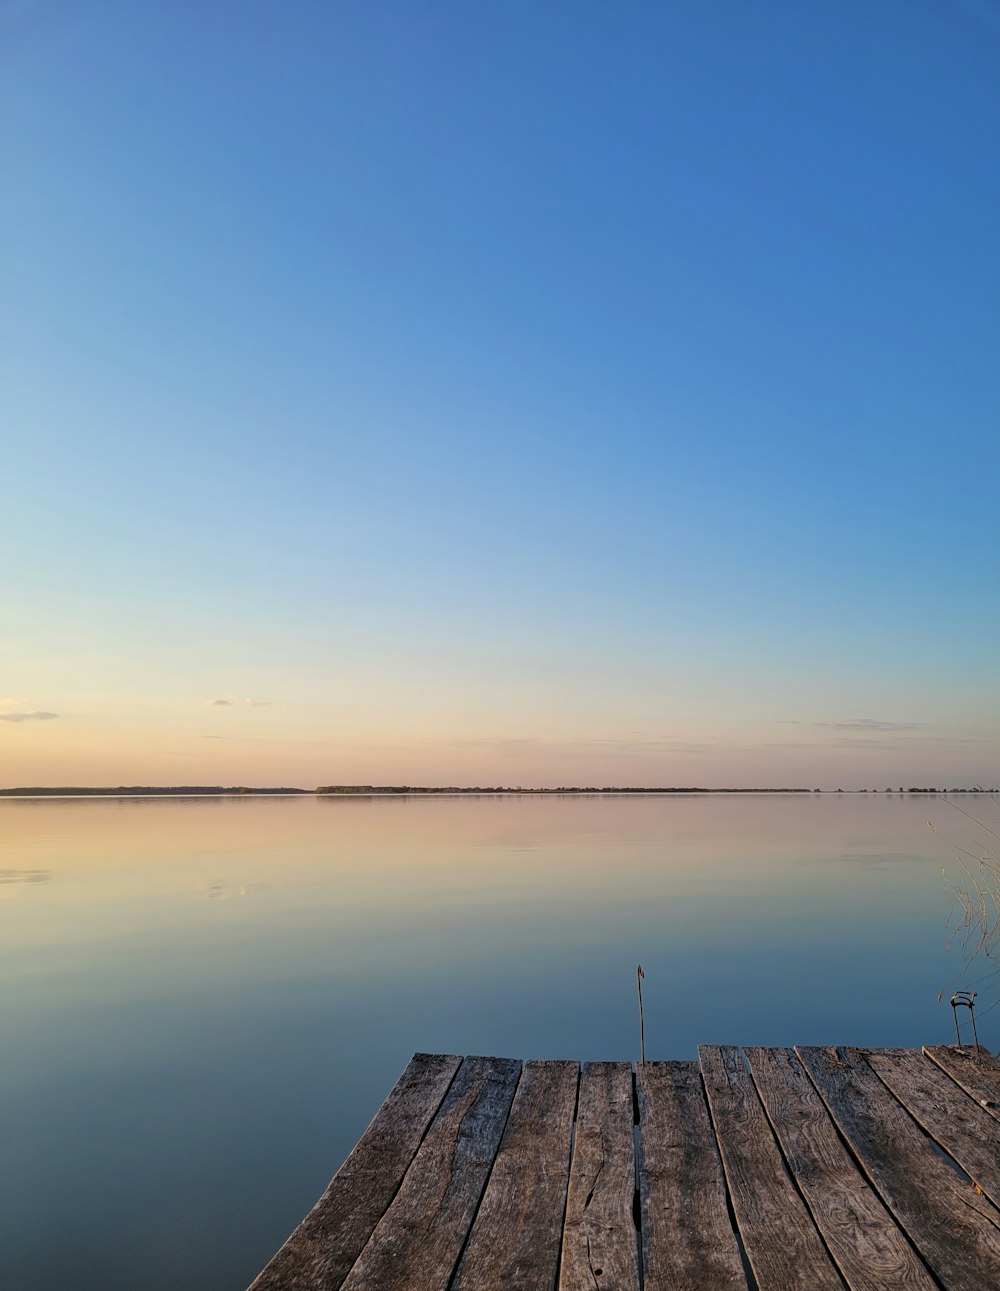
(60, 754)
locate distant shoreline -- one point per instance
(383, 791)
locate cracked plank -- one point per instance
(599, 1244)
(417, 1243)
(516, 1236)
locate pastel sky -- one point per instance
(475, 393)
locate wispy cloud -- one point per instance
(35, 716)
(233, 702)
(635, 747)
(871, 724)
(935, 743)
(258, 739)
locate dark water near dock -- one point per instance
(204, 1000)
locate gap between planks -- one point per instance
(478, 1174)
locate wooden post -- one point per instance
(639, 975)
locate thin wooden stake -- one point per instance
(639, 975)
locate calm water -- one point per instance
(204, 1001)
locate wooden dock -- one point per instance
(812, 1168)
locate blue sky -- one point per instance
(500, 393)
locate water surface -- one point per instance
(205, 1000)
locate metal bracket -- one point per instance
(964, 1000)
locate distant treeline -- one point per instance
(141, 791)
(327, 790)
(913, 789)
(409, 788)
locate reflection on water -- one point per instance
(184, 1066)
(219, 891)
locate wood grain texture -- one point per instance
(599, 1241)
(860, 1233)
(515, 1240)
(781, 1241)
(687, 1236)
(836, 1163)
(417, 1242)
(954, 1120)
(953, 1227)
(976, 1070)
(321, 1251)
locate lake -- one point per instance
(205, 1000)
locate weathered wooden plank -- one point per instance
(976, 1070)
(515, 1239)
(599, 1241)
(320, 1252)
(782, 1243)
(687, 1237)
(953, 1227)
(947, 1113)
(861, 1235)
(417, 1242)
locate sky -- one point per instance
(525, 393)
